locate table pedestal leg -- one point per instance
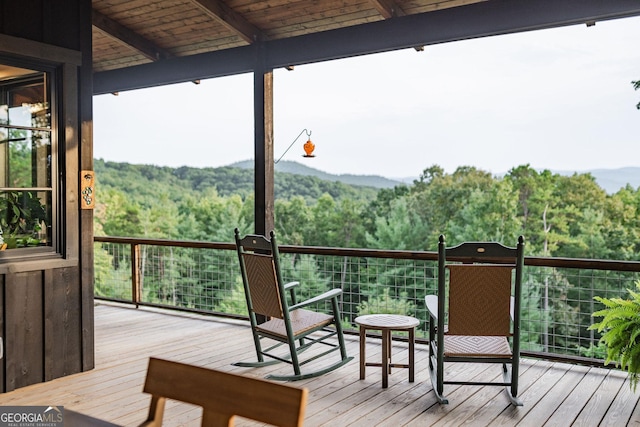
(363, 361)
(385, 359)
(411, 354)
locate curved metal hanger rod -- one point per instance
(294, 141)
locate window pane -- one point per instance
(26, 193)
(24, 218)
(28, 156)
(28, 106)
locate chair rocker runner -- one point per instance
(283, 319)
(483, 317)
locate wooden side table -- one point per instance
(385, 323)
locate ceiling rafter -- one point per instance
(388, 8)
(129, 37)
(228, 17)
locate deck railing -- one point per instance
(204, 277)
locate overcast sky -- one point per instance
(559, 99)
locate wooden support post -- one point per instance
(264, 158)
(136, 292)
(86, 163)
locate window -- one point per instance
(27, 159)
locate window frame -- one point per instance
(50, 86)
(62, 65)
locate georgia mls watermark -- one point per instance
(31, 416)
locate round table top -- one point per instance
(387, 321)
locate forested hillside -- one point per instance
(179, 203)
(227, 181)
(569, 216)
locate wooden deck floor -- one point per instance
(554, 394)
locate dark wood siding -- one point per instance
(46, 307)
(53, 22)
(2, 335)
(24, 343)
(62, 326)
(43, 328)
(14, 15)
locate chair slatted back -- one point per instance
(222, 395)
(263, 284)
(479, 299)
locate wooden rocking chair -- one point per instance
(289, 323)
(483, 316)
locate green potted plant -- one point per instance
(21, 215)
(620, 328)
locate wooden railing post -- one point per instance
(136, 292)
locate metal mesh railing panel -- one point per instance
(556, 307)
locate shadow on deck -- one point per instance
(553, 393)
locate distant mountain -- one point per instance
(296, 168)
(612, 180)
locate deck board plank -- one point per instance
(553, 393)
(552, 400)
(622, 407)
(489, 402)
(599, 403)
(571, 407)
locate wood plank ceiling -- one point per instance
(127, 33)
(141, 43)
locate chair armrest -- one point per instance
(432, 305)
(292, 292)
(291, 285)
(333, 293)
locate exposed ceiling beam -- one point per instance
(228, 17)
(388, 8)
(482, 19)
(129, 37)
(489, 18)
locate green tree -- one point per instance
(304, 269)
(292, 221)
(490, 215)
(404, 230)
(622, 227)
(161, 219)
(110, 274)
(235, 301)
(325, 227)
(210, 218)
(532, 318)
(202, 275)
(381, 206)
(387, 304)
(121, 214)
(439, 198)
(536, 202)
(400, 228)
(350, 225)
